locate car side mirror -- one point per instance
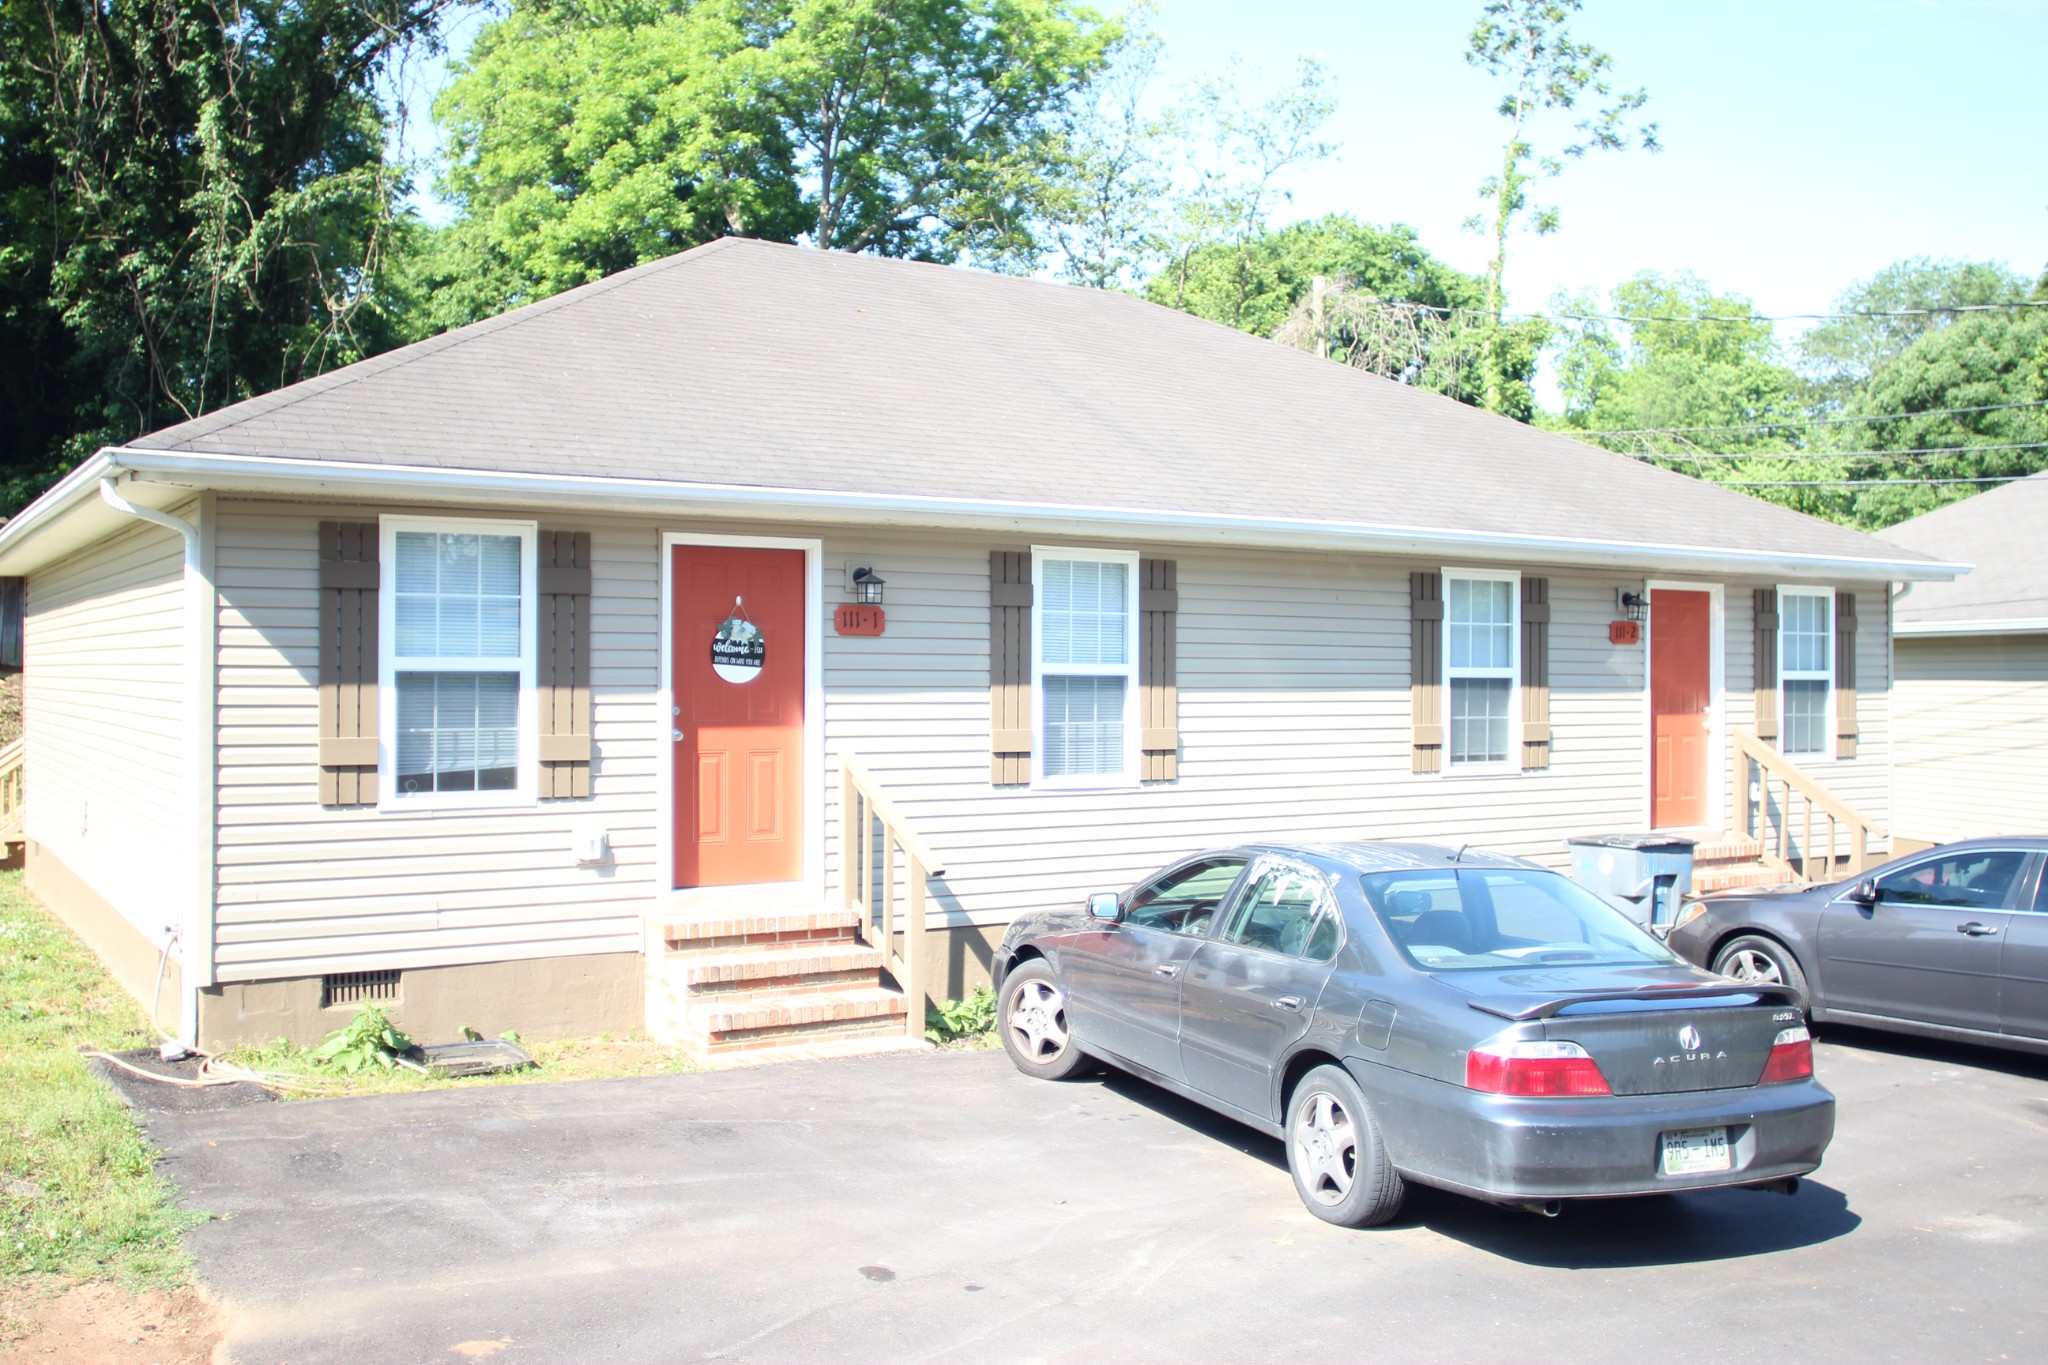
(1865, 892)
(1103, 904)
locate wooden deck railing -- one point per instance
(873, 832)
(12, 791)
(1802, 825)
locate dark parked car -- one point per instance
(1402, 1012)
(1949, 943)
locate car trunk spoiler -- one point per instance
(1524, 1007)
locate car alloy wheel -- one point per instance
(1037, 1021)
(1753, 967)
(1325, 1146)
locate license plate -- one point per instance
(1695, 1150)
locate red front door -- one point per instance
(1681, 704)
(738, 725)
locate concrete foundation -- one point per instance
(131, 956)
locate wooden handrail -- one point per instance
(1755, 820)
(863, 806)
(13, 789)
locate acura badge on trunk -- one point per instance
(1689, 1038)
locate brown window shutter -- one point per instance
(1766, 682)
(1426, 670)
(1009, 666)
(1158, 668)
(348, 663)
(1845, 675)
(13, 604)
(564, 664)
(1535, 673)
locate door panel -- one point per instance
(1681, 706)
(739, 761)
(2023, 967)
(1929, 949)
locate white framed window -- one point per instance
(1482, 669)
(1084, 666)
(456, 667)
(1806, 671)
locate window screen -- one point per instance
(1806, 652)
(1479, 659)
(1085, 665)
(459, 627)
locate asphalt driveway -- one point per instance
(942, 1207)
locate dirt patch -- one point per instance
(96, 1323)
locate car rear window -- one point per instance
(1454, 919)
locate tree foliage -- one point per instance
(194, 208)
(590, 135)
(1543, 72)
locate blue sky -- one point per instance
(1808, 143)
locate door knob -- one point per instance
(675, 735)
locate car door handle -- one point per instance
(1168, 970)
(1290, 1003)
(1975, 930)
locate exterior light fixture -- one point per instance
(1632, 605)
(867, 587)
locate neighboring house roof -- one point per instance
(2004, 535)
(812, 380)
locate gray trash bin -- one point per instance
(1645, 874)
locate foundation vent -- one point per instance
(353, 988)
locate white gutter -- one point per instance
(256, 473)
(2035, 625)
(195, 937)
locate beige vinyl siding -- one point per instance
(1293, 714)
(105, 717)
(1972, 730)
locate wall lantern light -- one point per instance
(867, 587)
(1631, 605)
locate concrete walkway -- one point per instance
(942, 1207)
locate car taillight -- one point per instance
(1791, 1057)
(1534, 1069)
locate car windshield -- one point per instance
(1460, 919)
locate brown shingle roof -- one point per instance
(1999, 532)
(747, 363)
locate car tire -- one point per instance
(1335, 1154)
(1754, 958)
(1033, 1023)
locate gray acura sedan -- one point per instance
(1404, 1012)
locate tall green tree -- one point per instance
(1881, 317)
(194, 208)
(1545, 76)
(588, 135)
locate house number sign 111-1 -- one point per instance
(738, 649)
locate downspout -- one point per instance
(195, 928)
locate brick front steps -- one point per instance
(754, 986)
(1733, 862)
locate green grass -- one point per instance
(564, 1059)
(79, 1192)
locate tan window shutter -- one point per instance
(348, 663)
(1158, 668)
(1766, 683)
(1426, 670)
(1009, 666)
(1535, 673)
(564, 663)
(1845, 675)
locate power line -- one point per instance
(1823, 454)
(1856, 483)
(1943, 310)
(1813, 421)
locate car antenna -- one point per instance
(1459, 856)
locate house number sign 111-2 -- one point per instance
(738, 649)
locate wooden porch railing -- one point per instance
(13, 793)
(1802, 825)
(870, 825)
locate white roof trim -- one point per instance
(2037, 625)
(338, 478)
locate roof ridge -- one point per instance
(400, 357)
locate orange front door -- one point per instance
(1681, 704)
(738, 720)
